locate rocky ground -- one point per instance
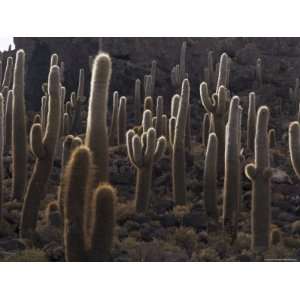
(168, 232)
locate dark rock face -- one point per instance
(132, 59)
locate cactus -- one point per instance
(37, 119)
(113, 132)
(205, 129)
(159, 114)
(294, 94)
(165, 129)
(177, 142)
(143, 152)
(43, 147)
(147, 86)
(210, 179)
(53, 60)
(8, 122)
(66, 124)
(137, 101)
(1, 152)
(8, 74)
(78, 100)
(260, 175)
(148, 103)
(19, 138)
(44, 112)
(153, 76)
(96, 132)
(188, 134)
(272, 138)
(224, 68)
(259, 78)
(294, 146)
(251, 122)
(182, 64)
(81, 242)
(122, 121)
(216, 106)
(232, 180)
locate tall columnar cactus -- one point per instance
(96, 132)
(175, 105)
(272, 138)
(177, 142)
(143, 151)
(153, 76)
(205, 128)
(182, 62)
(210, 179)
(66, 124)
(8, 74)
(83, 243)
(122, 121)
(77, 102)
(216, 105)
(294, 94)
(8, 122)
(251, 121)
(188, 134)
(113, 132)
(232, 180)
(43, 146)
(259, 78)
(19, 138)
(44, 112)
(137, 101)
(1, 152)
(260, 175)
(148, 86)
(224, 68)
(159, 114)
(294, 146)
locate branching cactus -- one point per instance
(8, 121)
(232, 180)
(216, 105)
(43, 147)
(19, 137)
(122, 121)
(96, 132)
(260, 175)
(143, 152)
(113, 132)
(84, 243)
(210, 179)
(137, 101)
(177, 141)
(251, 122)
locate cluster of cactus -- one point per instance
(89, 215)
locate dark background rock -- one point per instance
(132, 59)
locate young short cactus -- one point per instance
(177, 141)
(210, 179)
(43, 147)
(216, 105)
(232, 180)
(122, 121)
(83, 243)
(260, 175)
(143, 152)
(96, 132)
(251, 122)
(113, 132)
(19, 137)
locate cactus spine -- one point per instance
(122, 121)
(232, 178)
(177, 142)
(251, 122)
(96, 132)
(216, 106)
(19, 138)
(43, 147)
(143, 152)
(260, 175)
(113, 133)
(210, 179)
